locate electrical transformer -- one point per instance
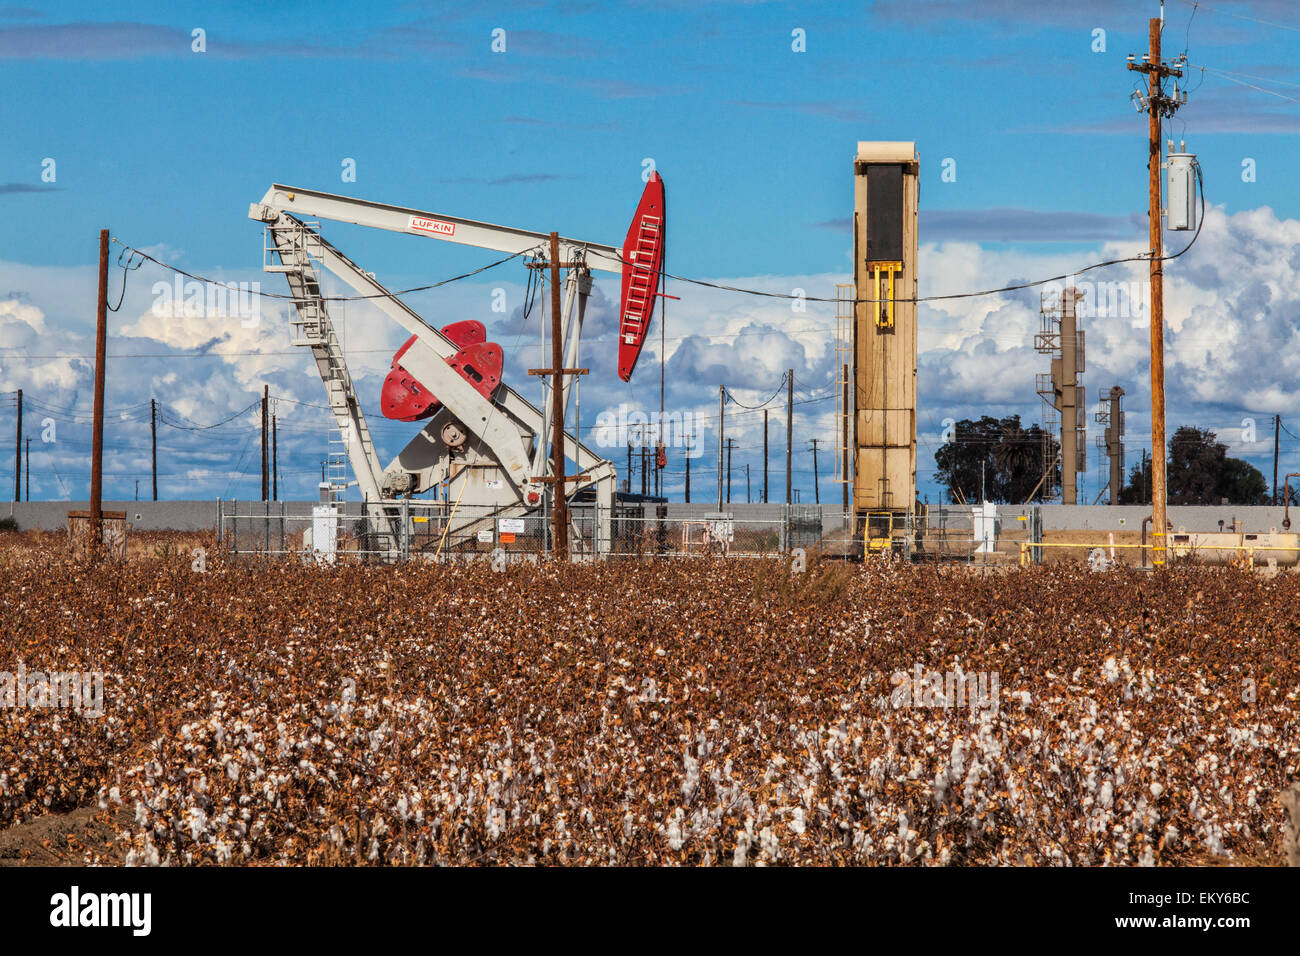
(1180, 196)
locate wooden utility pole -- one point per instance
(1277, 436)
(558, 479)
(688, 474)
(817, 493)
(18, 451)
(731, 443)
(722, 432)
(28, 470)
(1158, 106)
(559, 509)
(275, 463)
(153, 443)
(789, 435)
(765, 456)
(265, 436)
(97, 432)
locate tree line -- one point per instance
(1004, 461)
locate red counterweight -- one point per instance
(643, 255)
(478, 361)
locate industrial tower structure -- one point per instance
(885, 192)
(1112, 442)
(1060, 337)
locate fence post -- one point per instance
(219, 535)
(1290, 800)
(1036, 533)
(406, 528)
(234, 527)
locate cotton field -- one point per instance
(661, 713)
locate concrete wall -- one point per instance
(149, 515)
(202, 515)
(1129, 517)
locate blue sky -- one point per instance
(167, 147)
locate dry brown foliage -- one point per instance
(658, 712)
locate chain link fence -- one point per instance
(419, 530)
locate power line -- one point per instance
(735, 401)
(1231, 79)
(325, 298)
(1195, 4)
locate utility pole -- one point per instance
(18, 450)
(1277, 435)
(560, 510)
(722, 430)
(817, 493)
(789, 435)
(28, 470)
(1158, 107)
(557, 479)
(645, 476)
(731, 443)
(748, 496)
(97, 433)
(627, 479)
(765, 456)
(275, 464)
(687, 456)
(153, 443)
(265, 436)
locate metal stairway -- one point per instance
(288, 249)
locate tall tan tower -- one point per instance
(885, 195)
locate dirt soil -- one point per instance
(85, 835)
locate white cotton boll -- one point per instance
(198, 821)
(797, 824)
(674, 830)
(1110, 670)
(496, 821)
(957, 761)
(1156, 790)
(1107, 797)
(741, 854)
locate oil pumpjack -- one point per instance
(482, 437)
